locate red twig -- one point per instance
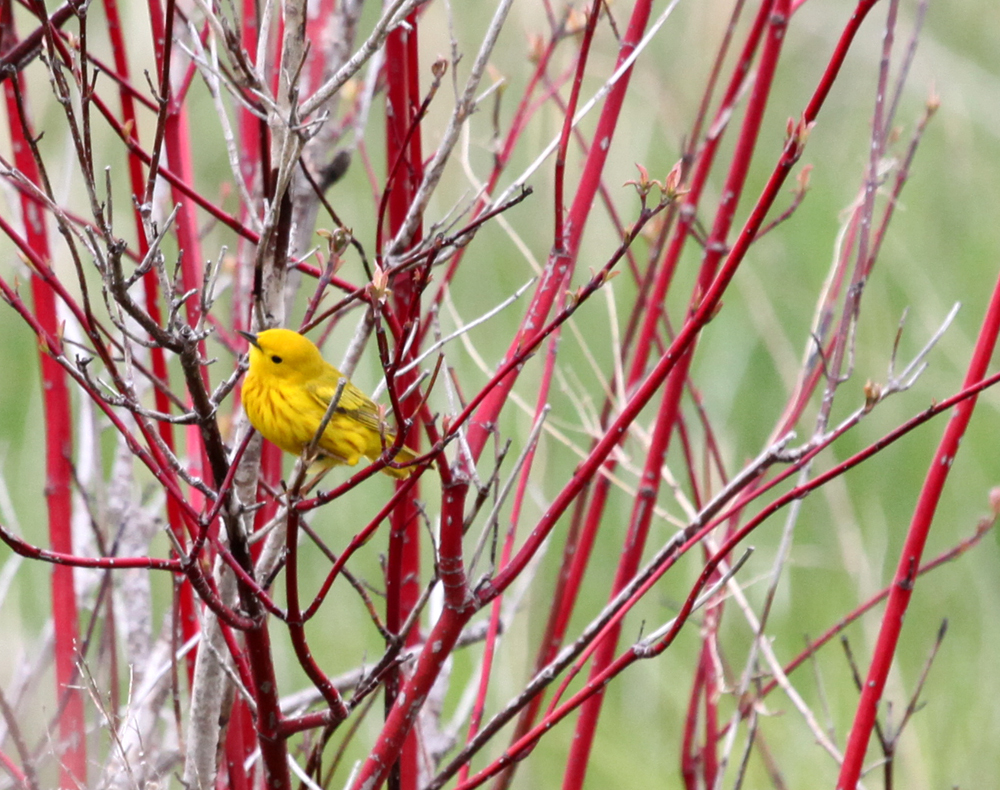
(296, 625)
(404, 112)
(815, 644)
(561, 260)
(642, 513)
(909, 558)
(188, 618)
(58, 446)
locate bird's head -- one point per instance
(284, 354)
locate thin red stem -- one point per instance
(909, 558)
(58, 440)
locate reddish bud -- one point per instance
(933, 101)
(873, 394)
(576, 21)
(672, 187)
(379, 289)
(536, 48)
(995, 501)
(803, 178)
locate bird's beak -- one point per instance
(250, 336)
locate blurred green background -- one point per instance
(941, 249)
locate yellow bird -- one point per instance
(288, 391)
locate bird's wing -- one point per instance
(353, 402)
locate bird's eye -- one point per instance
(276, 359)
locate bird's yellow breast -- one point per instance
(289, 416)
(271, 413)
(288, 391)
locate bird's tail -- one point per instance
(404, 456)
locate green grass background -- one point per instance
(941, 249)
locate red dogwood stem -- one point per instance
(58, 448)
(909, 558)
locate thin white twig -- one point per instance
(463, 110)
(210, 74)
(467, 327)
(782, 679)
(297, 770)
(647, 643)
(912, 371)
(389, 20)
(603, 91)
(264, 42)
(494, 515)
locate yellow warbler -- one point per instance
(288, 391)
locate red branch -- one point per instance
(58, 444)
(909, 558)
